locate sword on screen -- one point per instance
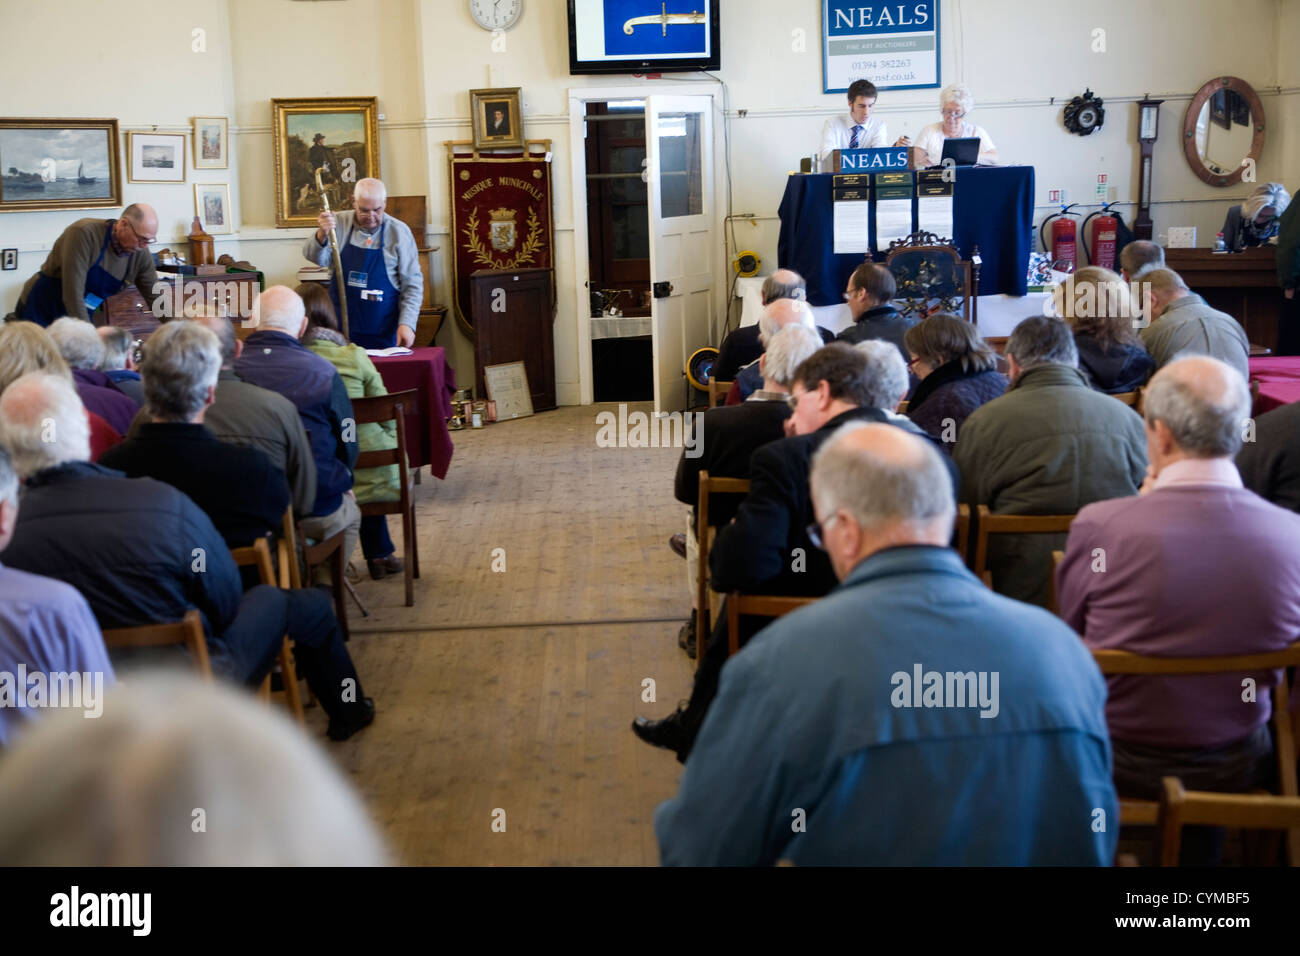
(339, 278)
(664, 19)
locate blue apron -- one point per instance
(372, 319)
(45, 302)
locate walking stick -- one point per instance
(339, 278)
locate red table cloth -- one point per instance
(1279, 381)
(427, 440)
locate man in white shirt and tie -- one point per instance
(857, 129)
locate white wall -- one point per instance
(420, 57)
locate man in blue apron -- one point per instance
(92, 260)
(381, 268)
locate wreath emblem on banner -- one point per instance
(502, 235)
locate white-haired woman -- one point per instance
(955, 103)
(1255, 221)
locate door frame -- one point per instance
(579, 97)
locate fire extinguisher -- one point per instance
(1105, 237)
(1064, 253)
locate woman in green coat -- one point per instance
(361, 380)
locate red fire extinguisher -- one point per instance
(1105, 237)
(1063, 249)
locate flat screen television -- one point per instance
(643, 36)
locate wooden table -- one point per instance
(1279, 381)
(1243, 284)
(426, 370)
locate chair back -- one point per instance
(187, 632)
(1180, 808)
(963, 532)
(385, 408)
(708, 486)
(1131, 399)
(932, 276)
(987, 523)
(758, 605)
(258, 555)
(718, 392)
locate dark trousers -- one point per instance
(252, 642)
(375, 542)
(709, 673)
(1288, 327)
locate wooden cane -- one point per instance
(339, 278)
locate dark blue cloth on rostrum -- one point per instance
(992, 207)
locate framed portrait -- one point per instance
(212, 206)
(211, 146)
(59, 164)
(339, 136)
(155, 157)
(498, 121)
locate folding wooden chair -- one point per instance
(1145, 812)
(987, 523)
(385, 408)
(1132, 399)
(187, 632)
(1057, 558)
(259, 556)
(1180, 808)
(313, 556)
(718, 392)
(760, 605)
(703, 534)
(963, 532)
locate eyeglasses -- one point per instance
(817, 528)
(848, 296)
(139, 237)
(792, 400)
(953, 114)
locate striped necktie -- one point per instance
(853, 141)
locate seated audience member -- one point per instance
(118, 363)
(174, 743)
(1097, 306)
(26, 347)
(274, 358)
(869, 295)
(361, 379)
(725, 438)
(45, 626)
(955, 103)
(776, 315)
(245, 414)
(818, 712)
(1269, 460)
(140, 552)
(1139, 257)
(1049, 446)
(1182, 323)
(958, 372)
(766, 549)
(1196, 566)
(1255, 221)
(81, 348)
(741, 347)
(237, 487)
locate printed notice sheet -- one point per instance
(851, 228)
(934, 214)
(893, 221)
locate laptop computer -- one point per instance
(963, 150)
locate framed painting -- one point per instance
(212, 206)
(59, 164)
(211, 146)
(497, 119)
(155, 157)
(337, 136)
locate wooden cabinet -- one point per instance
(1243, 284)
(514, 315)
(232, 293)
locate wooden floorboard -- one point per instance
(483, 700)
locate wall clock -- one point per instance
(1084, 114)
(496, 14)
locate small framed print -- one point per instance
(507, 386)
(497, 119)
(155, 157)
(212, 206)
(211, 147)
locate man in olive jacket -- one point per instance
(1049, 446)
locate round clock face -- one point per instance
(496, 14)
(1087, 117)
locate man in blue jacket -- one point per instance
(910, 717)
(274, 359)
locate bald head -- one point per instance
(1198, 406)
(784, 284)
(143, 217)
(280, 309)
(876, 486)
(224, 330)
(777, 315)
(43, 423)
(371, 188)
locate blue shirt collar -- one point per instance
(907, 559)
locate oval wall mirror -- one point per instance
(1224, 127)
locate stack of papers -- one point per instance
(395, 350)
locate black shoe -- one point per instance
(686, 637)
(380, 568)
(678, 543)
(342, 729)
(667, 733)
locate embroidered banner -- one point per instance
(500, 216)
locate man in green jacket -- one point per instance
(1049, 446)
